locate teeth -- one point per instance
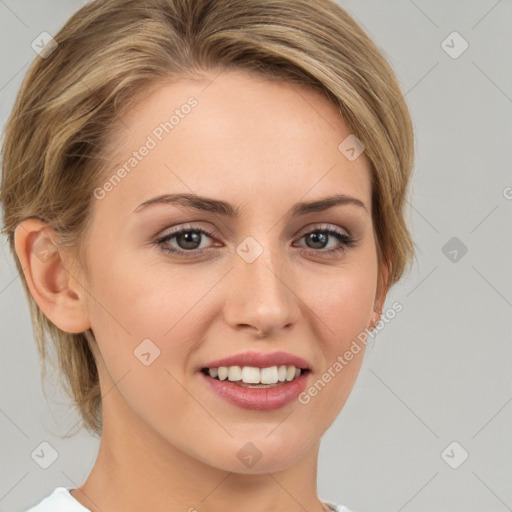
(223, 373)
(269, 375)
(253, 375)
(234, 373)
(290, 373)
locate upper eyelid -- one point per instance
(320, 226)
(344, 237)
(211, 233)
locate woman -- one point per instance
(205, 201)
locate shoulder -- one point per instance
(337, 508)
(60, 500)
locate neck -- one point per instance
(138, 470)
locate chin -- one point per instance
(258, 454)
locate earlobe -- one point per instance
(380, 297)
(376, 314)
(50, 282)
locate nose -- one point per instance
(262, 298)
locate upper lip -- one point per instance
(260, 360)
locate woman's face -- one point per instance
(266, 265)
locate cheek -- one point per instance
(345, 300)
(138, 301)
(137, 297)
(344, 306)
(146, 326)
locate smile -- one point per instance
(250, 375)
(257, 396)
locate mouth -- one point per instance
(256, 377)
(257, 380)
(259, 389)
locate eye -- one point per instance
(188, 240)
(318, 238)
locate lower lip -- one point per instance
(259, 399)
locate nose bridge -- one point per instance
(262, 296)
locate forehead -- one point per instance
(233, 136)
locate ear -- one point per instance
(380, 296)
(47, 270)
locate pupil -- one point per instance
(190, 238)
(319, 236)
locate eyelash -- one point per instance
(346, 241)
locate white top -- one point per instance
(60, 500)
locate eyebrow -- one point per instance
(227, 209)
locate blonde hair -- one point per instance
(111, 53)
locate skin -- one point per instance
(169, 443)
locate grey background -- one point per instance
(440, 371)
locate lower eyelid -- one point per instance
(345, 242)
